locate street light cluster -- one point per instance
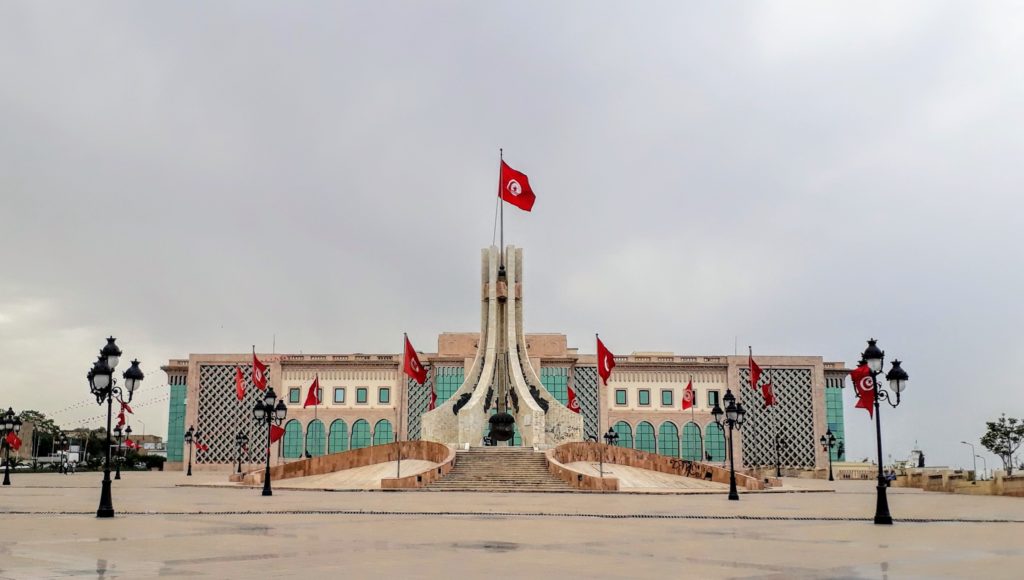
(897, 378)
(104, 387)
(266, 411)
(10, 423)
(735, 415)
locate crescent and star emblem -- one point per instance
(513, 187)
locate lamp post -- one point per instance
(242, 440)
(735, 416)
(124, 450)
(117, 456)
(874, 357)
(104, 387)
(267, 412)
(10, 423)
(610, 438)
(828, 441)
(62, 442)
(983, 462)
(974, 458)
(190, 436)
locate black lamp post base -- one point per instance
(106, 509)
(267, 491)
(882, 516)
(734, 496)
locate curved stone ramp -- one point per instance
(356, 478)
(646, 480)
(427, 461)
(561, 458)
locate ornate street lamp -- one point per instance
(124, 450)
(828, 441)
(117, 456)
(62, 443)
(9, 423)
(735, 416)
(190, 436)
(104, 387)
(897, 378)
(610, 438)
(267, 412)
(241, 440)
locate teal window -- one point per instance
(625, 434)
(644, 397)
(666, 397)
(620, 396)
(834, 417)
(292, 443)
(645, 436)
(447, 380)
(384, 395)
(339, 395)
(338, 440)
(693, 445)
(293, 395)
(556, 380)
(715, 447)
(315, 438)
(360, 434)
(176, 423)
(668, 439)
(712, 399)
(382, 433)
(361, 395)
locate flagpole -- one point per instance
(501, 248)
(600, 427)
(398, 417)
(775, 422)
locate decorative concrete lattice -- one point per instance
(584, 382)
(418, 401)
(793, 414)
(222, 415)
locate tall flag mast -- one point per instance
(513, 187)
(412, 367)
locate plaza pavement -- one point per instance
(48, 530)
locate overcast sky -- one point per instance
(198, 177)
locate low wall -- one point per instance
(950, 481)
(589, 451)
(425, 450)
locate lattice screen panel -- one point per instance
(793, 415)
(418, 401)
(584, 382)
(222, 415)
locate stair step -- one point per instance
(503, 469)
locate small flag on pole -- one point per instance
(239, 383)
(605, 361)
(313, 396)
(413, 368)
(515, 188)
(259, 372)
(574, 403)
(688, 396)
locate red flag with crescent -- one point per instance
(433, 399)
(514, 187)
(313, 396)
(864, 387)
(755, 372)
(605, 361)
(413, 368)
(574, 403)
(259, 373)
(688, 396)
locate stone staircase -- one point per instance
(499, 469)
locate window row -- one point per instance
(362, 395)
(643, 398)
(692, 445)
(340, 438)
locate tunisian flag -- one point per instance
(514, 187)
(573, 404)
(259, 373)
(413, 368)
(239, 383)
(313, 396)
(605, 361)
(755, 371)
(688, 396)
(769, 395)
(276, 433)
(13, 440)
(864, 386)
(433, 399)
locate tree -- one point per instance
(1003, 438)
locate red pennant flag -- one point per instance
(413, 368)
(276, 433)
(769, 395)
(120, 419)
(433, 399)
(864, 387)
(514, 187)
(574, 404)
(605, 361)
(130, 444)
(688, 395)
(204, 447)
(313, 396)
(755, 372)
(259, 373)
(125, 407)
(239, 383)
(13, 440)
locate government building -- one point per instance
(367, 399)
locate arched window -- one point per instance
(382, 433)
(360, 434)
(645, 437)
(292, 444)
(693, 445)
(714, 442)
(338, 440)
(315, 438)
(668, 439)
(625, 434)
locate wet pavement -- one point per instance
(48, 531)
